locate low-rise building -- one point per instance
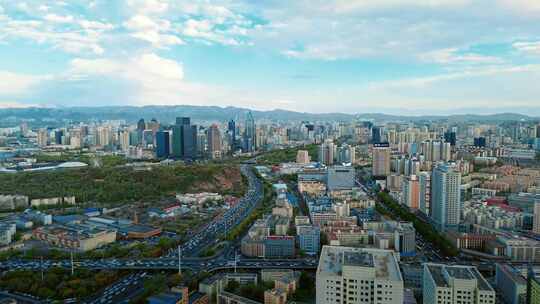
(80, 237)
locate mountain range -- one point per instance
(167, 114)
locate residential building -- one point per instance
(358, 275)
(445, 197)
(381, 160)
(444, 284)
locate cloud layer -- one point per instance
(406, 53)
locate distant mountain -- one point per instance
(168, 114)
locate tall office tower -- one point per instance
(450, 137)
(424, 180)
(231, 131)
(411, 192)
(184, 138)
(443, 284)
(148, 138)
(536, 218)
(445, 197)
(538, 131)
(326, 153)
(381, 155)
(250, 134)
(346, 154)
(302, 157)
(358, 276)
(42, 137)
(58, 134)
(124, 140)
(162, 144)
(153, 125)
(377, 134)
(214, 141)
(141, 126)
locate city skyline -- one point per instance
(410, 57)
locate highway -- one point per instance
(211, 233)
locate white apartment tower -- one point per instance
(444, 284)
(348, 275)
(445, 197)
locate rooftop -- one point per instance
(333, 258)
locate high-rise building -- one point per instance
(358, 275)
(411, 192)
(214, 141)
(231, 131)
(381, 155)
(346, 154)
(58, 135)
(42, 137)
(326, 153)
(444, 284)
(536, 218)
(162, 144)
(445, 196)
(250, 134)
(377, 135)
(124, 140)
(302, 157)
(184, 139)
(424, 180)
(450, 137)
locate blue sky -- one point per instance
(396, 56)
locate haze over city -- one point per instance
(408, 57)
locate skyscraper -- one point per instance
(411, 192)
(231, 130)
(141, 126)
(381, 160)
(42, 137)
(184, 139)
(377, 135)
(424, 179)
(214, 141)
(326, 153)
(162, 143)
(250, 134)
(445, 197)
(450, 137)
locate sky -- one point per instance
(351, 56)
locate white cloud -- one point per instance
(13, 83)
(453, 56)
(531, 48)
(149, 6)
(58, 19)
(157, 32)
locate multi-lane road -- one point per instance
(220, 226)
